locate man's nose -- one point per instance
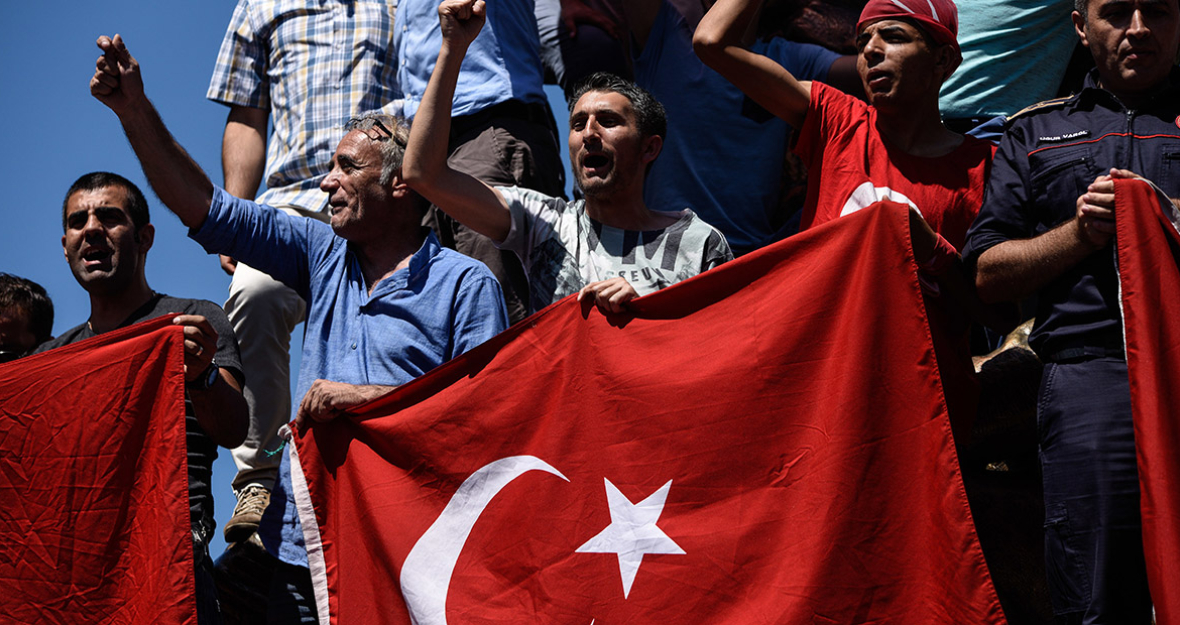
(591, 132)
(1138, 26)
(93, 223)
(329, 182)
(872, 49)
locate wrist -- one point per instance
(1085, 238)
(452, 52)
(205, 379)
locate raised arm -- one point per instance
(718, 42)
(175, 177)
(425, 168)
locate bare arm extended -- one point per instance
(174, 175)
(1016, 269)
(718, 41)
(425, 168)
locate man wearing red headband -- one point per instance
(893, 148)
(896, 146)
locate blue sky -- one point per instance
(54, 131)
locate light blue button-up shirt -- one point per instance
(439, 307)
(503, 63)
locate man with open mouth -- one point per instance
(609, 247)
(106, 235)
(893, 148)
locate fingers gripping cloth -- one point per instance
(941, 258)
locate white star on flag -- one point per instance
(632, 532)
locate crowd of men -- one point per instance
(414, 208)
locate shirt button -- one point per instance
(354, 345)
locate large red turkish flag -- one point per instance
(765, 443)
(94, 516)
(1148, 254)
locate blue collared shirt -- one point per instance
(442, 305)
(503, 63)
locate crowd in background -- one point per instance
(414, 207)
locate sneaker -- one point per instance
(252, 501)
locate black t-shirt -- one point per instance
(202, 451)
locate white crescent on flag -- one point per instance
(426, 573)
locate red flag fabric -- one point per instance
(765, 443)
(94, 516)
(1149, 276)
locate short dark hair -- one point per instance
(137, 206)
(22, 293)
(649, 113)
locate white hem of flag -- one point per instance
(311, 536)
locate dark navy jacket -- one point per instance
(1048, 156)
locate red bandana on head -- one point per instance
(939, 18)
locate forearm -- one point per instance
(175, 177)
(1015, 269)
(326, 400)
(718, 41)
(362, 393)
(425, 167)
(425, 161)
(243, 150)
(221, 410)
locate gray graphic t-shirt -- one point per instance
(563, 249)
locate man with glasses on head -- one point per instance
(385, 303)
(309, 67)
(26, 316)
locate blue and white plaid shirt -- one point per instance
(313, 64)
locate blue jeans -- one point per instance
(1093, 534)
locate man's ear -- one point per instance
(651, 148)
(145, 236)
(945, 60)
(64, 252)
(398, 187)
(1079, 26)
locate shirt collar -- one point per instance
(430, 248)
